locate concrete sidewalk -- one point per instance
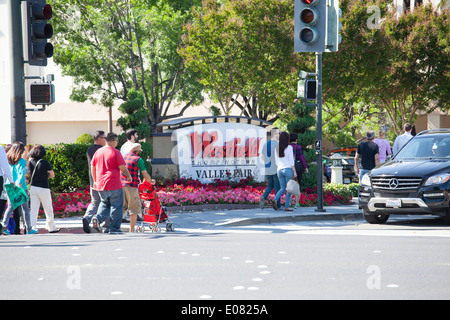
(231, 218)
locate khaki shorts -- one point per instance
(131, 200)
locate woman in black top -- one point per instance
(40, 171)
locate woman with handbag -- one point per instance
(18, 168)
(300, 164)
(284, 158)
(5, 173)
(41, 170)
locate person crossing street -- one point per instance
(135, 165)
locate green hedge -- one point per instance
(69, 161)
(345, 190)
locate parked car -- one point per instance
(346, 152)
(347, 156)
(415, 181)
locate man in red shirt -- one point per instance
(106, 166)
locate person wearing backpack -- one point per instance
(300, 163)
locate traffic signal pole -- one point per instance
(316, 29)
(319, 133)
(18, 116)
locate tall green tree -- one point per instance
(243, 52)
(399, 65)
(134, 111)
(110, 47)
(304, 125)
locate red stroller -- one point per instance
(154, 213)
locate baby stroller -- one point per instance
(154, 213)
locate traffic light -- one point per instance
(310, 25)
(333, 26)
(42, 93)
(310, 89)
(39, 31)
(307, 89)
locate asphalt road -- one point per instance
(404, 259)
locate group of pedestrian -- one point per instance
(22, 169)
(284, 161)
(114, 179)
(374, 151)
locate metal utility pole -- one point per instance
(319, 134)
(18, 116)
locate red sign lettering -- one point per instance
(230, 149)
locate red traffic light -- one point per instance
(42, 11)
(47, 12)
(310, 25)
(310, 2)
(39, 31)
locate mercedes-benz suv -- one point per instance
(415, 181)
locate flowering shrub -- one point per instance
(70, 203)
(185, 192)
(182, 192)
(180, 195)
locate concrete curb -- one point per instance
(291, 219)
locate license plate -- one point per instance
(393, 203)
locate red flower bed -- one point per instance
(185, 192)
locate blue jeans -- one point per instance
(111, 205)
(24, 210)
(362, 172)
(93, 207)
(284, 175)
(272, 183)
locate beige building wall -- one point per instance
(65, 122)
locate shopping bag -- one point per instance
(293, 187)
(11, 225)
(16, 195)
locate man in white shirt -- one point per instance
(401, 140)
(132, 137)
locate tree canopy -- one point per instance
(110, 47)
(244, 49)
(398, 67)
(240, 52)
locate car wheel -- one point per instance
(375, 219)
